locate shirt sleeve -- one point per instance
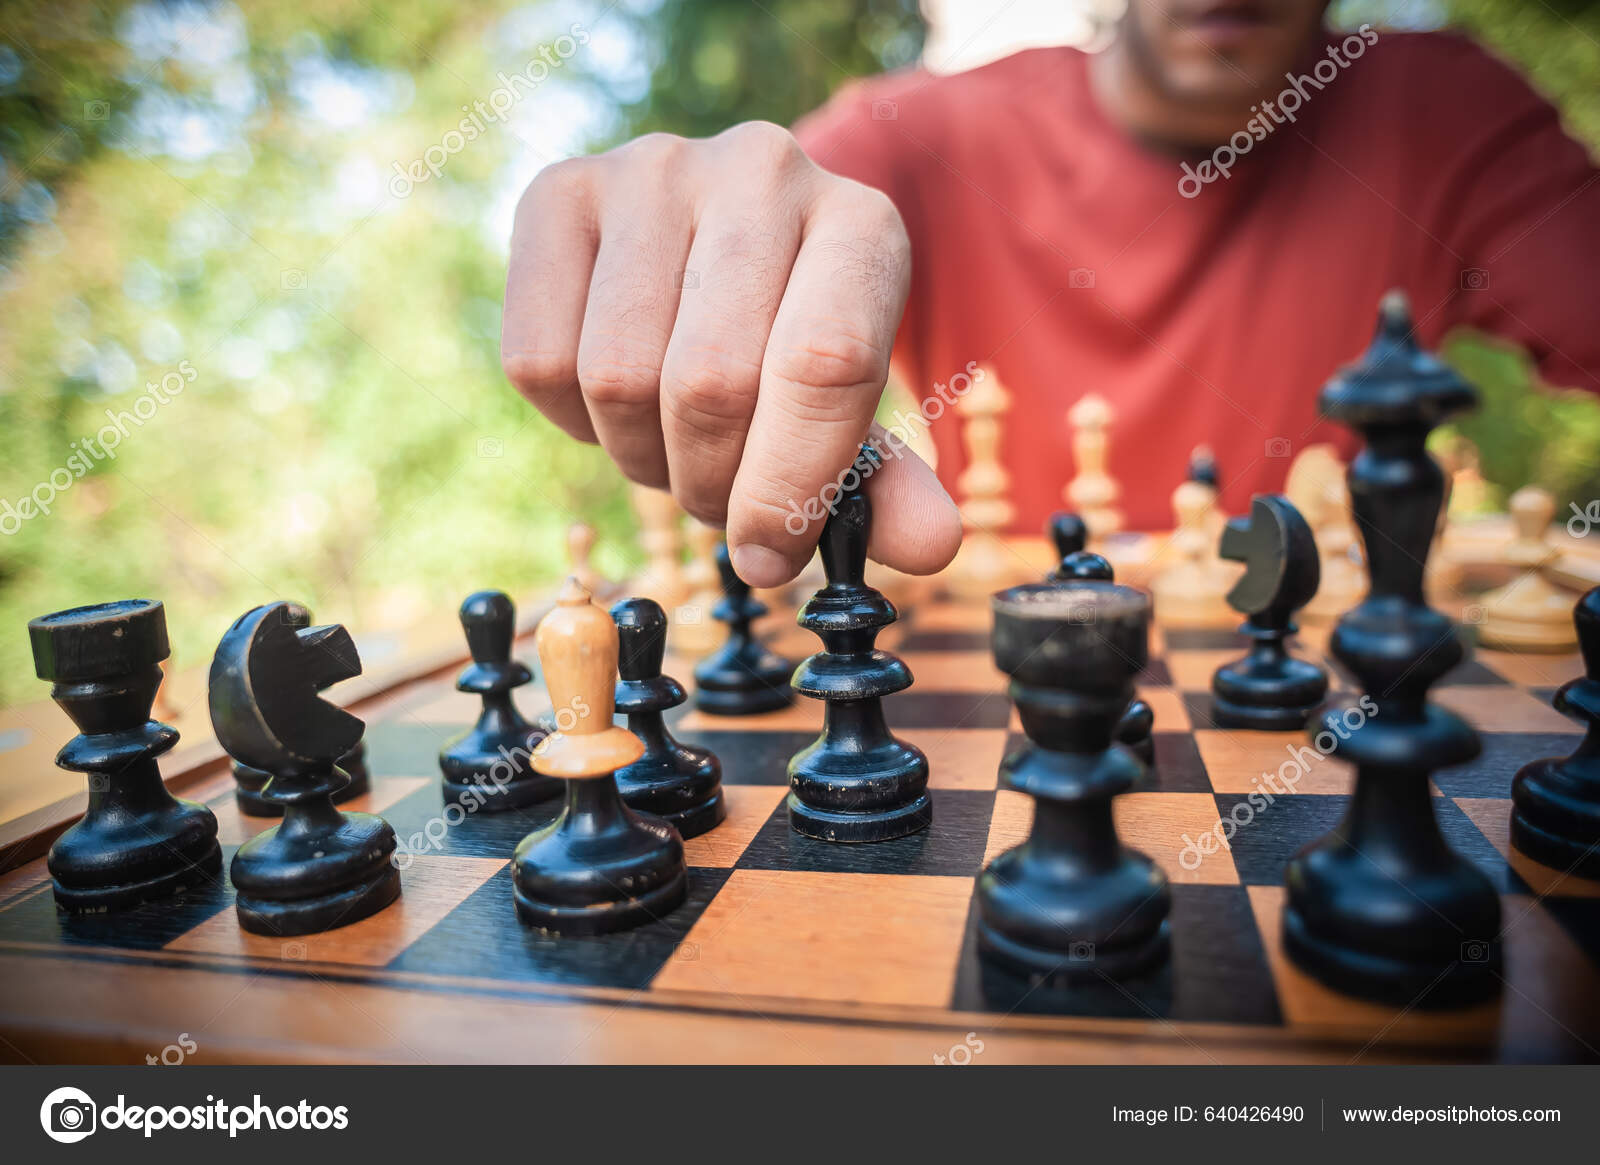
(1519, 208)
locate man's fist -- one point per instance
(718, 314)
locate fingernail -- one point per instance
(759, 566)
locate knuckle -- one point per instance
(831, 359)
(653, 151)
(762, 142)
(537, 375)
(710, 391)
(566, 179)
(619, 382)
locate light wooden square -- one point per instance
(1155, 824)
(1280, 763)
(1531, 669)
(1490, 708)
(867, 938)
(749, 807)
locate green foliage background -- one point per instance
(348, 439)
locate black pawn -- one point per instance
(319, 867)
(1269, 689)
(1555, 817)
(136, 842)
(1071, 903)
(1069, 535)
(1381, 906)
(490, 765)
(1137, 725)
(742, 677)
(680, 784)
(599, 867)
(856, 782)
(1203, 466)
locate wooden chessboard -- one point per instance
(791, 950)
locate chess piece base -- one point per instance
(100, 865)
(859, 795)
(471, 762)
(1443, 981)
(1553, 822)
(860, 828)
(687, 794)
(1271, 696)
(1110, 923)
(316, 874)
(624, 869)
(747, 702)
(742, 679)
(1428, 937)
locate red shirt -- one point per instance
(1051, 246)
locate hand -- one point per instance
(718, 314)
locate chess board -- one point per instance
(797, 951)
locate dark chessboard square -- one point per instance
(952, 845)
(406, 748)
(484, 938)
(1202, 639)
(33, 917)
(1472, 671)
(916, 709)
(1201, 713)
(1544, 695)
(1580, 918)
(751, 758)
(1264, 841)
(424, 826)
(945, 641)
(1156, 674)
(1217, 973)
(1490, 773)
(1178, 767)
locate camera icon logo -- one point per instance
(1081, 614)
(1080, 952)
(885, 111)
(688, 280)
(67, 1115)
(292, 279)
(1474, 279)
(491, 447)
(1279, 447)
(96, 110)
(1080, 277)
(1475, 951)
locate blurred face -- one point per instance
(1218, 52)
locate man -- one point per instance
(1197, 224)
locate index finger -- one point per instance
(825, 365)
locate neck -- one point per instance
(1130, 94)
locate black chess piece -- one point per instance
(1269, 689)
(600, 866)
(249, 782)
(320, 867)
(1069, 535)
(136, 842)
(1137, 726)
(1203, 466)
(490, 766)
(1555, 817)
(1382, 907)
(856, 782)
(1071, 903)
(678, 783)
(742, 677)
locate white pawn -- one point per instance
(1093, 493)
(580, 544)
(985, 564)
(1529, 612)
(662, 542)
(693, 630)
(1192, 592)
